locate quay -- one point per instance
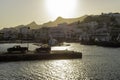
(40, 56)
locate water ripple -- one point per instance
(98, 63)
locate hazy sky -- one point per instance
(16, 12)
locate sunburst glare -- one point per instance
(64, 8)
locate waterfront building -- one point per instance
(23, 32)
(102, 34)
(9, 33)
(57, 33)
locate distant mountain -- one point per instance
(33, 25)
(19, 26)
(103, 18)
(60, 20)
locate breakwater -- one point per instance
(41, 56)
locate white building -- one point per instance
(9, 33)
(24, 30)
(102, 34)
(57, 32)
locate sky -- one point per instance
(17, 12)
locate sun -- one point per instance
(63, 8)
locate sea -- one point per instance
(97, 63)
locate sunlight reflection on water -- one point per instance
(59, 68)
(98, 63)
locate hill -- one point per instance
(59, 20)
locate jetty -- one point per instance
(40, 56)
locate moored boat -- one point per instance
(43, 48)
(17, 49)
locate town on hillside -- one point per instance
(104, 27)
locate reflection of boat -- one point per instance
(17, 48)
(43, 48)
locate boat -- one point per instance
(43, 48)
(17, 49)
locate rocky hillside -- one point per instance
(59, 20)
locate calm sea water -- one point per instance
(98, 63)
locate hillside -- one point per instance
(103, 18)
(34, 25)
(64, 20)
(59, 20)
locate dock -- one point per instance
(41, 56)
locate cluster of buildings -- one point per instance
(104, 30)
(60, 32)
(67, 32)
